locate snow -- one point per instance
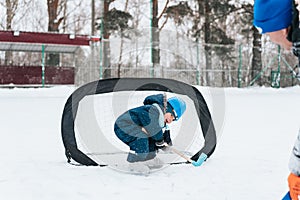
(256, 131)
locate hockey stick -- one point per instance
(197, 163)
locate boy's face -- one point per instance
(169, 118)
(279, 37)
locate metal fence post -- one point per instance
(151, 40)
(43, 65)
(240, 67)
(101, 39)
(198, 64)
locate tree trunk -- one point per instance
(11, 6)
(121, 46)
(106, 43)
(207, 41)
(256, 59)
(155, 51)
(53, 24)
(93, 24)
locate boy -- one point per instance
(141, 128)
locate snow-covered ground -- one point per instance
(256, 132)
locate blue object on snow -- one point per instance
(200, 160)
(287, 196)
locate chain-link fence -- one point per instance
(179, 58)
(188, 61)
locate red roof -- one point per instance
(33, 41)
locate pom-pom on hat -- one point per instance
(272, 15)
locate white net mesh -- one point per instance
(94, 126)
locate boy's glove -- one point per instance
(162, 145)
(294, 185)
(167, 137)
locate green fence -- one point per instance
(194, 63)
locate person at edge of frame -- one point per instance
(279, 19)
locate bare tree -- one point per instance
(121, 45)
(55, 8)
(256, 58)
(11, 7)
(155, 50)
(93, 24)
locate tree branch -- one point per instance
(164, 23)
(224, 14)
(165, 8)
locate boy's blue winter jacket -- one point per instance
(137, 125)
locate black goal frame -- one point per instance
(133, 84)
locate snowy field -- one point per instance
(256, 131)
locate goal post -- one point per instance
(92, 109)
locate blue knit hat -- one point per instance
(178, 106)
(272, 15)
